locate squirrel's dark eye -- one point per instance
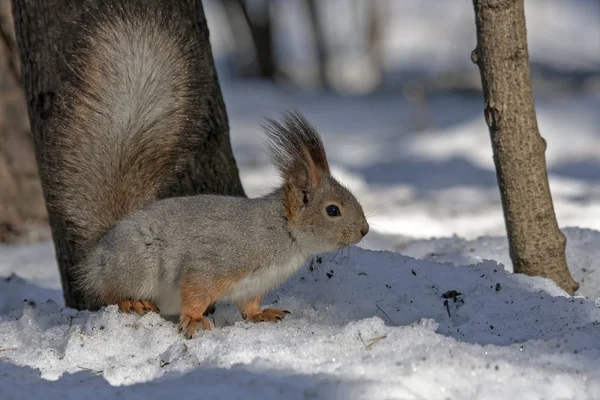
(333, 211)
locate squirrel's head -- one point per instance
(314, 202)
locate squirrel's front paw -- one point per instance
(189, 326)
(138, 306)
(267, 315)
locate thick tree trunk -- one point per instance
(22, 209)
(537, 246)
(43, 40)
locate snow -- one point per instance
(363, 325)
(427, 307)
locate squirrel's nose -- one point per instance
(364, 230)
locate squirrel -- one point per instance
(125, 104)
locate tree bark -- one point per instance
(22, 209)
(43, 38)
(537, 246)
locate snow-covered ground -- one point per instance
(363, 325)
(437, 316)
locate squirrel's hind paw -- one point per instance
(138, 306)
(268, 315)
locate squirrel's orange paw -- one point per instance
(268, 315)
(138, 306)
(189, 326)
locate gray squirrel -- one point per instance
(180, 255)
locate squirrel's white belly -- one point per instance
(259, 283)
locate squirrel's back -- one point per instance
(119, 117)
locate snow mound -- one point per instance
(583, 254)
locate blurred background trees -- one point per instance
(255, 29)
(354, 46)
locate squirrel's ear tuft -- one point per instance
(297, 151)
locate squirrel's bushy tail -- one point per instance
(118, 117)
